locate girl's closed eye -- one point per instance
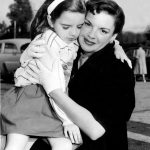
(65, 27)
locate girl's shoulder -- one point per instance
(48, 34)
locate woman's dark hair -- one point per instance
(40, 23)
(111, 7)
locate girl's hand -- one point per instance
(120, 54)
(73, 132)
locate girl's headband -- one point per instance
(53, 5)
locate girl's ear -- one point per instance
(50, 21)
(113, 38)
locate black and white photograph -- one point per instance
(74, 74)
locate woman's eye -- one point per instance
(79, 27)
(87, 24)
(103, 31)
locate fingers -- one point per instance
(68, 134)
(37, 48)
(73, 133)
(33, 80)
(122, 59)
(33, 68)
(30, 77)
(31, 73)
(38, 41)
(77, 137)
(116, 42)
(36, 51)
(129, 63)
(39, 65)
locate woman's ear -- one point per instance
(113, 38)
(50, 21)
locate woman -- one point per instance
(140, 66)
(103, 84)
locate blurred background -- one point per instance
(16, 17)
(15, 20)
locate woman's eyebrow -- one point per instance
(103, 28)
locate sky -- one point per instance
(137, 12)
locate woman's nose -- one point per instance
(92, 33)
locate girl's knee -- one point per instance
(2, 142)
(61, 144)
(67, 145)
(16, 141)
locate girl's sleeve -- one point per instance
(60, 113)
(59, 73)
(20, 75)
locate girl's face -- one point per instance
(68, 25)
(97, 31)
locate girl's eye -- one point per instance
(65, 27)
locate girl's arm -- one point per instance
(78, 114)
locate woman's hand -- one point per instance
(37, 48)
(73, 132)
(120, 54)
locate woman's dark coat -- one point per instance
(105, 86)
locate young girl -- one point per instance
(58, 23)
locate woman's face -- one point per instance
(97, 31)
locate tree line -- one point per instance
(21, 14)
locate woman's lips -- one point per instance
(88, 42)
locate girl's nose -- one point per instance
(74, 33)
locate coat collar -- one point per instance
(107, 50)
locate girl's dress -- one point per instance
(26, 108)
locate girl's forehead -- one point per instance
(68, 16)
(71, 13)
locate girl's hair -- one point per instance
(111, 7)
(40, 23)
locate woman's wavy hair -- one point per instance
(111, 7)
